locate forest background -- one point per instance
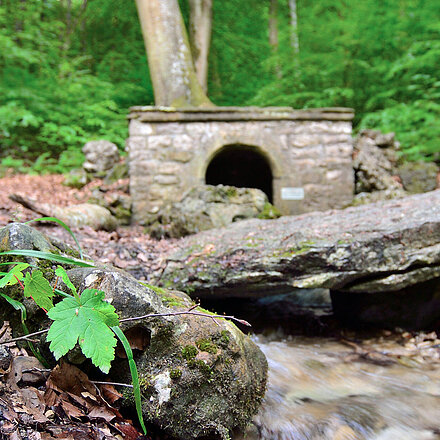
(70, 69)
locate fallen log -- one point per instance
(380, 247)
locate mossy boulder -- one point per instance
(206, 207)
(200, 377)
(77, 178)
(419, 177)
(19, 236)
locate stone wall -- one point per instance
(309, 153)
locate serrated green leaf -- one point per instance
(98, 343)
(37, 287)
(95, 299)
(85, 321)
(61, 272)
(66, 328)
(10, 278)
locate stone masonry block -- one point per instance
(137, 128)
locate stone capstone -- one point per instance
(372, 250)
(206, 207)
(100, 155)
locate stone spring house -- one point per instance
(302, 159)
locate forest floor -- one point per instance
(30, 408)
(127, 248)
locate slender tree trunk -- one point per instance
(83, 25)
(69, 17)
(19, 23)
(273, 33)
(200, 25)
(294, 39)
(273, 24)
(169, 56)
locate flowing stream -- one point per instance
(381, 388)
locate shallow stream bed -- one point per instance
(383, 388)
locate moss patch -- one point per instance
(269, 212)
(189, 352)
(207, 345)
(302, 248)
(175, 373)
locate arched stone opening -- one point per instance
(241, 166)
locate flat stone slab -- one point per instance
(171, 114)
(379, 247)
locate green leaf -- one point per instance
(48, 256)
(17, 306)
(10, 278)
(85, 321)
(95, 298)
(134, 374)
(61, 223)
(37, 287)
(61, 272)
(66, 328)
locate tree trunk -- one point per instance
(294, 39)
(169, 57)
(273, 25)
(273, 33)
(200, 24)
(83, 26)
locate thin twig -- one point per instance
(186, 312)
(26, 338)
(20, 338)
(97, 382)
(150, 315)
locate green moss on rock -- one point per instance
(176, 373)
(207, 345)
(189, 352)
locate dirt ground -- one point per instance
(128, 248)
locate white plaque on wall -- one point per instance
(292, 193)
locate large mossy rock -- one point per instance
(373, 251)
(419, 177)
(374, 162)
(200, 376)
(206, 207)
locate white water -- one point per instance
(321, 389)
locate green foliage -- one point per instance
(134, 374)
(14, 275)
(85, 321)
(47, 256)
(65, 81)
(39, 289)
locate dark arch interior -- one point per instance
(241, 166)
